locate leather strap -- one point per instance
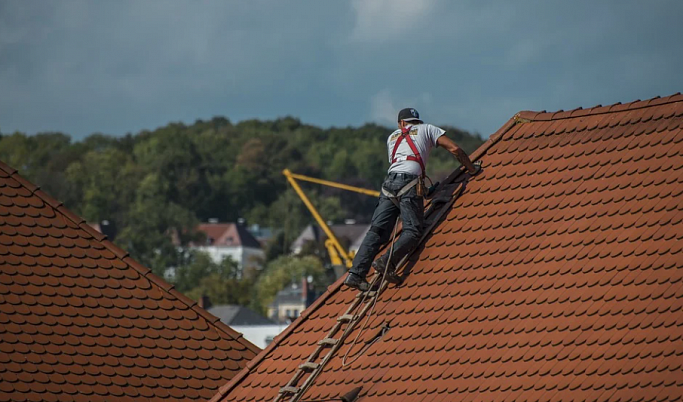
(395, 197)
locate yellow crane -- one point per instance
(334, 248)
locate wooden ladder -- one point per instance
(315, 363)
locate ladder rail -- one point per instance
(291, 385)
(311, 378)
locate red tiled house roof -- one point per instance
(556, 275)
(82, 321)
(227, 234)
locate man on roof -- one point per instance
(402, 194)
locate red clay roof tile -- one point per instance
(78, 315)
(555, 276)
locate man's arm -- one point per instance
(459, 154)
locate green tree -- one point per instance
(153, 221)
(223, 283)
(198, 265)
(283, 271)
(105, 181)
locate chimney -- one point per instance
(204, 302)
(304, 291)
(108, 228)
(308, 296)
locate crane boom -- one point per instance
(365, 191)
(335, 248)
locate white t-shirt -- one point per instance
(424, 137)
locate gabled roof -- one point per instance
(313, 232)
(81, 321)
(232, 314)
(556, 275)
(228, 235)
(291, 294)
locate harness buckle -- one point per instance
(420, 187)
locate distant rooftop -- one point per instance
(349, 233)
(227, 235)
(238, 315)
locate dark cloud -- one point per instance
(116, 67)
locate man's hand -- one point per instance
(459, 154)
(477, 166)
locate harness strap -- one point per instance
(405, 134)
(395, 197)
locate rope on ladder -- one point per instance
(372, 308)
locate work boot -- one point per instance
(356, 282)
(380, 266)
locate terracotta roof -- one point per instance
(556, 275)
(228, 234)
(81, 321)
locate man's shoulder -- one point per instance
(426, 126)
(394, 135)
(430, 128)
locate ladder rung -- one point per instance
(369, 293)
(289, 390)
(345, 318)
(328, 341)
(309, 366)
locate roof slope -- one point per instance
(556, 275)
(82, 321)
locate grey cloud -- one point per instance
(86, 66)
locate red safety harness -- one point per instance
(405, 133)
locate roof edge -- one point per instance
(123, 255)
(532, 116)
(224, 390)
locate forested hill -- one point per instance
(178, 175)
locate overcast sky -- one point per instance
(122, 66)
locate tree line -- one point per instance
(157, 183)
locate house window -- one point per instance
(287, 313)
(295, 313)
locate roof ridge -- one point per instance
(123, 255)
(332, 289)
(531, 116)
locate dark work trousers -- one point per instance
(382, 225)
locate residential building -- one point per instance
(262, 234)
(232, 315)
(348, 234)
(230, 240)
(254, 327)
(290, 302)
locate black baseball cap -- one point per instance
(408, 114)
